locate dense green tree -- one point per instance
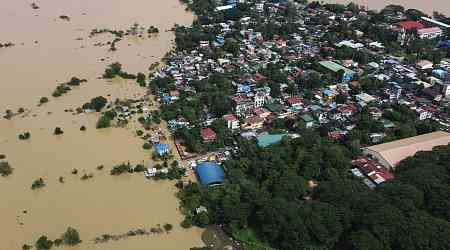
(71, 237)
(43, 243)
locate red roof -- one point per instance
(260, 110)
(294, 100)
(239, 98)
(208, 134)
(230, 117)
(373, 170)
(409, 25)
(254, 120)
(259, 77)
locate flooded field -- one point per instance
(442, 6)
(49, 50)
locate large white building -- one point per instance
(391, 153)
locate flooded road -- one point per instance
(49, 50)
(442, 6)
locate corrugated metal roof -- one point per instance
(335, 67)
(394, 152)
(210, 173)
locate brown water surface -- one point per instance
(30, 70)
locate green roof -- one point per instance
(267, 139)
(307, 118)
(387, 123)
(335, 67)
(274, 107)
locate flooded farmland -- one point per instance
(49, 50)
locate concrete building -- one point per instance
(429, 33)
(232, 121)
(391, 153)
(336, 69)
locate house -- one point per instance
(260, 99)
(309, 121)
(204, 44)
(364, 97)
(232, 121)
(254, 122)
(424, 64)
(208, 135)
(162, 149)
(424, 113)
(375, 113)
(242, 103)
(350, 44)
(433, 94)
(338, 70)
(409, 25)
(429, 33)
(261, 112)
(373, 170)
(295, 102)
(150, 172)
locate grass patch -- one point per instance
(251, 241)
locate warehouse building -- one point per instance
(391, 153)
(210, 173)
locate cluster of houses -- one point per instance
(372, 172)
(336, 103)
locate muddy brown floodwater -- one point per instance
(49, 50)
(442, 6)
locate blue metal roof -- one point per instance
(210, 173)
(445, 44)
(162, 148)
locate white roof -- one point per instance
(225, 7)
(365, 97)
(350, 44)
(435, 22)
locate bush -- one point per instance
(103, 122)
(146, 146)
(139, 168)
(168, 227)
(98, 103)
(43, 100)
(57, 242)
(186, 223)
(2, 156)
(139, 132)
(26, 247)
(43, 243)
(25, 136)
(122, 168)
(82, 128)
(71, 237)
(75, 81)
(5, 168)
(58, 131)
(39, 183)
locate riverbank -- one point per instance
(49, 50)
